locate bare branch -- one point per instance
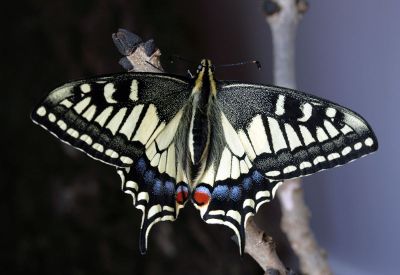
(262, 248)
(283, 17)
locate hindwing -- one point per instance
(231, 189)
(112, 118)
(287, 134)
(157, 181)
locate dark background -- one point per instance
(64, 213)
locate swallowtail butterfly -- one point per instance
(226, 146)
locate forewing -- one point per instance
(287, 133)
(113, 118)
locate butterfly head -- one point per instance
(205, 76)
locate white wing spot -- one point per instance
(89, 113)
(258, 136)
(102, 118)
(307, 137)
(132, 184)
(86, 139)
(358, 146)
(73, 133)
(171, 163)
(369, 142)
(111, 153)
(278, 141)
(273, 173)
(66, 103)
(333, 156)
(85, 88)
(321, 135)
(130, 122)
(294, 140)
(319, 159)
(98, 147)
(62, 125)
(330, 112)
(280, 105)
(289, 169)
(81, 105)
(154, 210)
(133, 95)
(243, 167)
(305, 164)
(52, 117)
(307, 111)
(108, 93)
(346, 150)
(116, 121)
(156, 160)
(41, 111)
(246, 144)
(249, 202)
(164, 140)
(126, 160)
(234, 215)
(231, 137)
(263, 194)
(346, 129)
(143, 196)
(332, 131)
(163, 160)
(235, 169)
(147, 125)
(224, 169)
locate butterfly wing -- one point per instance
(113, 118)
(231, 189)
(287, 133)
(157, 181)
(132, 121)
(262, 135)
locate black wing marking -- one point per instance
(288, 134)
(231, 189)
(157, 181)
(113, 118)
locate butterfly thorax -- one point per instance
(204, 91)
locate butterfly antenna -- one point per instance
(256, 62)
(178, 57)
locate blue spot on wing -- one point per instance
(247, 183)
(141, 166)
(221, 192)
(169, 187)
(158, 187)
(257, 177)
(149, 177)
(235, 193)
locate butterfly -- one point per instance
(226, 146)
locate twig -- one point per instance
(283, 17)
(262, 249)
(144, 57)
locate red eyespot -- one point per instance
(181, 194)
(201, 195)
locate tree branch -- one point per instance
(283, 17)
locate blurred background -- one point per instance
(64, 213)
